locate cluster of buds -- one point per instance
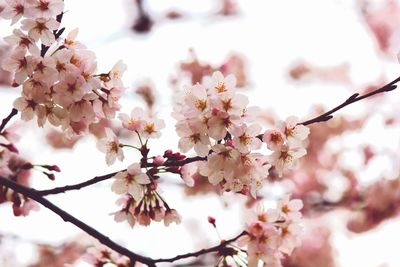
(59, 80)
(151, 207)
(275, 232)
(216, 122)
(14, 167)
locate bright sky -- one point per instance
(272, 35)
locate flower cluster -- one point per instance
(216, 122)
(144, 126)
(286, 142)
(59, 80)
(151, 207)
(274, 233)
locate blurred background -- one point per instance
(291, 58)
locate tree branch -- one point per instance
(36, 195)
(101, 178)
(352, 99)
(217, 248)
(7, 119)
(178, 163)
(66, 188)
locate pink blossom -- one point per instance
(110, 146)
(187, 173)
(295, 133)
(41, 29)
(44, 8)
(171, 216)
(152, 128)
(286, 158)
(131, 181)
(17, 63)
(135, 122)
(115, 75)
(219, 84)
(26, 106)
(14, 10)
(290, 208)
(21, 40)
(245, 138)
(70, 41)
(192, 138)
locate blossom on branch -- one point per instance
(217, 123)
(272, 234)
(131, 181)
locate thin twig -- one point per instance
(352, 99)
(66, 188)
(217, 248)
(104, 177)
(7, 119)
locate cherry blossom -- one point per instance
(171, 216)
(14, 10)
(286, 158)
(193, 138)
(17, 63)
(245, 138)
(44, 8)
(271, 235)
(152, 127)
(21, 40)
(113, 78)
(41, 29)
(131, 181)
(134, 122)
(111, 146)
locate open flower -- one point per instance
(219, 84)
(41, 29)
(44, 8)
(295, 133)
(245, 138)
(110, 146)
(290, 208)
(286, 158)
(115, 75)
(135, 122)
(131, 181)
(14, 10)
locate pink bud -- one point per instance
(158, 160)
(51, 176)
(167, 153)
(211, 220)
(52, 168)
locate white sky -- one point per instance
(271, 34)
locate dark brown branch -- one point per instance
(38, 197)
(178, 163)
(101, 178)
(217, 248)
(7, 119)
(352, 99)
(35, 195)
(63, 189)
